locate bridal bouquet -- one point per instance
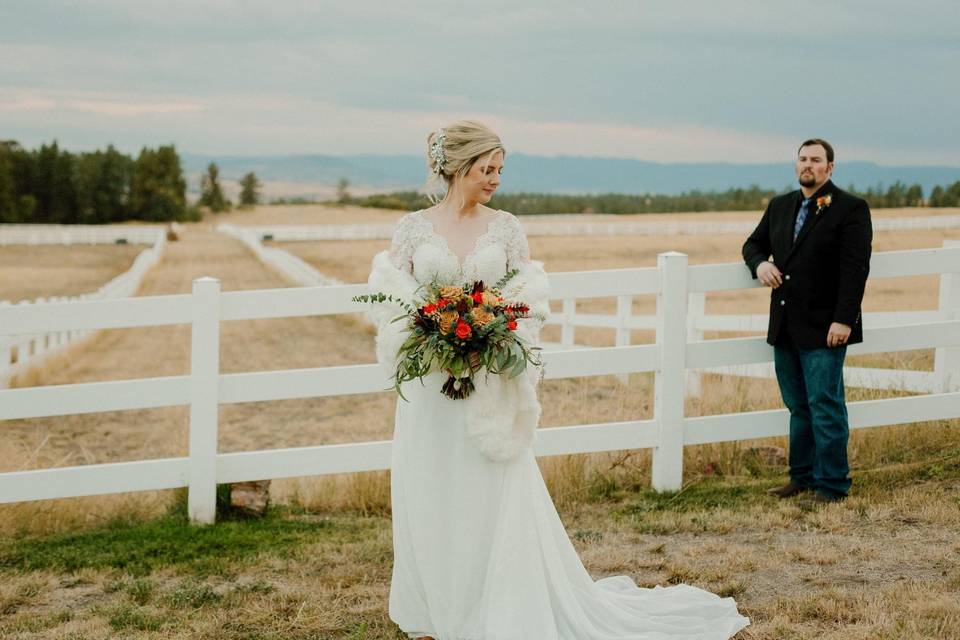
(460, 330)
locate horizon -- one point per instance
(203, 154)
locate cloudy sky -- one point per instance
(733, 81)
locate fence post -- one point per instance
(696, 310)
(6, 354)
(622, 339)
(204, 400)
(668, 394)
(40, 343)
(946, 360)
(566, 330)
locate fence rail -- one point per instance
(36, 338)
(562, 225)
(670, 358)
(34, 234)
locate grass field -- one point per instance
(881, 565)
(30, 272)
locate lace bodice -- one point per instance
(419, 250)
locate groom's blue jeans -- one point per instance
(811, 383)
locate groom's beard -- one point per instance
(807, 180)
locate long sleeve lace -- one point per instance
(515, 244)
(406, 237)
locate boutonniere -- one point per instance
(823, 202)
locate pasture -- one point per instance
(881, 565)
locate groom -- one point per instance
(812, 248)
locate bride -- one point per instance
(479, 550)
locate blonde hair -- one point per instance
(465, 142)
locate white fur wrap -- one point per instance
(502, 413)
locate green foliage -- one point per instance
(493, 347)
(50, 185)
(343, 193)
(211, 193)
(140, 591)
(897, 195)
(194, 594)
(169, 541)
(249, 190)
(103, 186)
(8, 187)
(379, 298)
(158, 189)
(946, 196)
(700, 494)
(751, 198)
(127, 617)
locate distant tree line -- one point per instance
(50, 185)
(751, 198)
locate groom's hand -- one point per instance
(838, 334)
(769, 275)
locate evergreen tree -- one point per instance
(914, 196)
(8, 186)
(112, 199)
(936, 196)
(157, 187)
(249, 190)
(951, 195)
(343, 194)
(211, 194)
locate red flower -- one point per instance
(442, 302)
(463, 330)
(429, 308)
(478, 297)
(512, 325)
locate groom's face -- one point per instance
(813, 170)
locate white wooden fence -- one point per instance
(623, 322)
(77, 234)
(940, 379)
(284, 262)
(568, 225)
(20, 352)
(205, 388)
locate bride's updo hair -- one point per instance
(465, 142)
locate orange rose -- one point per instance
(447, 320)
(463, 330)
(451, 293)
(481, 317)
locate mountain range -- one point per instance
(555, 174)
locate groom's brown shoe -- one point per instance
(788, 490)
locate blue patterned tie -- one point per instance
(801, 217)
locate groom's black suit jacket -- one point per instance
(824, 270)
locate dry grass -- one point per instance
(30, 272)
(829, 573)
(306, 214)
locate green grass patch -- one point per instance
(700, 495)
(171, 541)
(945, 466)
(192, 594)
(126, 617)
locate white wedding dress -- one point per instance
(479, 550)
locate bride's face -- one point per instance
(483, 178)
